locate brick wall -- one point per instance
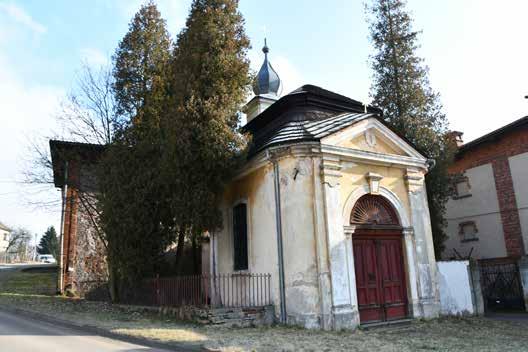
(69, 229)
(497, 153)
(83, 255)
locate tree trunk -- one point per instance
(113, 283)
(196, 255)
(179, 251)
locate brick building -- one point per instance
(82, 262)
(488, 216)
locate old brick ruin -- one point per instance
(83, 264)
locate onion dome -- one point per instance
(267, 81)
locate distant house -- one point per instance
(488, 215)
(4, 238)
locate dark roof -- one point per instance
(308, 96)
(309, 113)
(62, 151)
(494, 135)
(310, 130)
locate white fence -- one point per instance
(455, 285)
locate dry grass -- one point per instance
(467, 334)
(41, 280)
(464, 334)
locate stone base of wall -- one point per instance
(93, 291)
(231, 317)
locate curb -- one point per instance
(180, 347)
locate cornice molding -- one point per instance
(349, 154)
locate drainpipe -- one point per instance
(63, 210)
(282, 290)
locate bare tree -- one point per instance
(17, 247)
(87, 114)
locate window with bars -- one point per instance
(462, 187)
(240, 237)
(468, 231)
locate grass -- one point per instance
(445, 334)
(31, 281)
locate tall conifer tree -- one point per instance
(209, 83)
(140, 64)
(130, 199)
(401, 88)
(49, 243)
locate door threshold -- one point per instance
(379, 324)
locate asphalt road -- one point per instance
(20, 334)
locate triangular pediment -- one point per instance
(370, 135)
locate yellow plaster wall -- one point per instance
(257, 190)
(381, 146)
(354, 137)
(300, 263)
(353, 176)
(297, 204)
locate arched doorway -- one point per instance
(378, 259)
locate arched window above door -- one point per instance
(373, 210)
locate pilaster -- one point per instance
(423, 241)
(344, 313)
(413, 280)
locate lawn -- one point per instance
(445, 334)
(38, 280)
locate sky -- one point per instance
(476, 52)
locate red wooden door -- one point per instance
(380, 278)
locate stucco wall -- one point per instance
(256, 189)
(353, 177)
(300, 266)
(455, 288)
(482, 207)
(519, 173)
(297, 204)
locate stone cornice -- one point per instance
(304, 149)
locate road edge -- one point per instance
(181, 347)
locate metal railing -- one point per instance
(222, 290)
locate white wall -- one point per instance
(455, 288)
(482, 207)
(519, 172)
